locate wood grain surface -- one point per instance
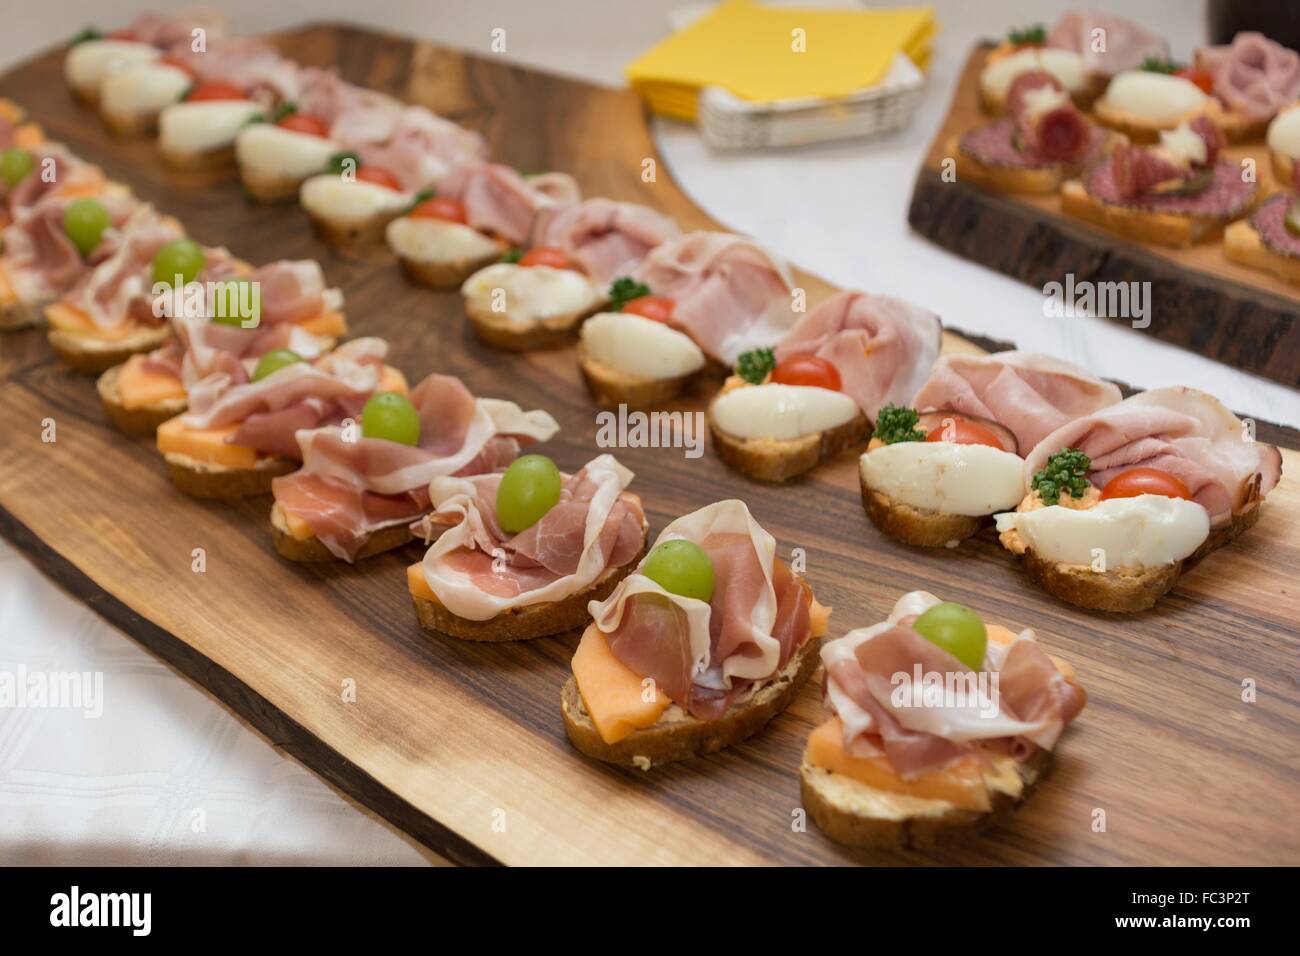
(1200, 300)
(451, 740)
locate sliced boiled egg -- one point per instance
(527, 294)
(331, 197)
(1155, 97)
(640, 346)
(274, 150)
(781, 412)
(204, 126)
(1066, 65)
(1284, 133)
(947, 477)
(88, 63)
(142, 89)
(438, 240)
(1142, 532)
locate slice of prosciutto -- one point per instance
(56, 171)
(501, 202)
(1124, 44)
(477, 570)
(730, 294)
(1179, 430)
(882, 347)
(1026, 392)
(704, 656)
(422, 149)
(607, 238)
(869, 685)
(349, 486)
(40, 260)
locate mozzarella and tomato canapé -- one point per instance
(282, 149)
(1159, 99)
(331, 197)
(528, 294)
(88, 64)
(202, 126)
(639, 346)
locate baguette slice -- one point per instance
(15, 315)
(202, 479)
(1283, 167)
(222, 157)
(530, 621)
(679, 736)
(339, 232)
(134, 421)
(312, 549)
(1161, 228)
(771, 459)
(268, 186)
(445, 273)
(923, 529)
(612, 387)
(1242, 243)
(130, 125)
(92, 356)
(496, 329)
(1042, 180)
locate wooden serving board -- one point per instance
(451, 740)
(1199, 299)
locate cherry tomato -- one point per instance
(441, 207)
(961, 432)
(302, 123)
(214, 90)
(378, 176)
(546, 256)
(1145, 481)
(659, 308)
(1202, 78)
(807, 370)
(175, 62)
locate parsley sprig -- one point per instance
(755, 365)
(1035, 35)
(1065, 471)
(895, 423)
(623, 290)
(1155, 64)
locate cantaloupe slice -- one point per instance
(961, 784)
(611, 691)
(204, 444)
(7, 294)
(417, 585)
(69, 318)
(327, 325)
(29, 135)
(139, 386)
(392, 380)
(819, 617)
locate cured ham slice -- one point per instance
(1179, 430)
(477, 571)
(1126, 44)
(499, 201)
(56, 171)
(1253, 75)
(703, 656)
(422, 149)
(356, 116)
(1027, 709)
(200, 349)
(607, 238)
(249, 63)
(730, 294)
(1028, 393)
(883, 347)
(348, 489)
(40, 260)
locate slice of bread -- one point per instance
(130, 125)
(1042, 180)
(1242, 243)
(856, 815)
(679, 736)
(91, 355)
(444, 273)
(612, 387)
(221, 158)
(15, 315)
(532, 620)
(1161, 228)
(1120, 590)
(497, 329)
(134, 421)
(339, 232)
(1283, 167)
(923, 529)
(201, 479)
(312, 549)
(771, 459)
(266, 186)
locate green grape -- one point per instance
(15, 163)
(274, 360)
(529, 488)
(180, 257)
(84, 222)
(391, 416)
(957, 629)
(681, 567)
(237, 302)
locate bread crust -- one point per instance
(612, 387)
(684, 736)
(130, 125)
(769, 459)
(1161, 228)
(92, 356)
(444, 274)
(1042, 180)
(268, 187)
(923, 529)
(495, 328)
(204, 480)
(1242, 243)
(134, 421)
(17, 315)
(222, 158)
(1118, 590)
(368, 230)
(310, 550)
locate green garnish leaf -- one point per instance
(338, 162)
(1153, 64)
(896, 423)
(185, 95)
(1066, 471)
(86, 35)
(255, 118)
(512, 255)
(283, 110)
(754, 366)
(1030, 35)
(623, 290)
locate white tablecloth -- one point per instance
(166, 775)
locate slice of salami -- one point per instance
(994, 145)
(1270, 222)
(1227, 197)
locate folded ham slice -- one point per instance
(1179, 430)
(1028, 393)
(477, 570)
(607, 238)
(200, 349)
(40, 260)
(249, 63)
(730, 294)
(422, 149)
(1253, 75)
(869, 673)
(704, 656)
(882, 347)
(1125, 46)
(356, 116)
(499, 201)
(56, 171)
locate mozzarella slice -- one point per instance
(275, 151)
(781, 412)
(640, 346)
(1143, 532)
(142, 89)
(330, 196)
(1066, 65)
(946, 477)
(1155, 97)
(435, 240)
(204, 126)
(88, 63)
(530, 293)
(1284, 133)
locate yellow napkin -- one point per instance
(750, 49)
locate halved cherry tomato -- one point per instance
(441, 207)
(168, 59)
(378, 176)
(658, 308)
(1145, 481)
(807, 369)
(214, 90)
(303, 123)
(546, 256)
(961, 432)
(1202, 78)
